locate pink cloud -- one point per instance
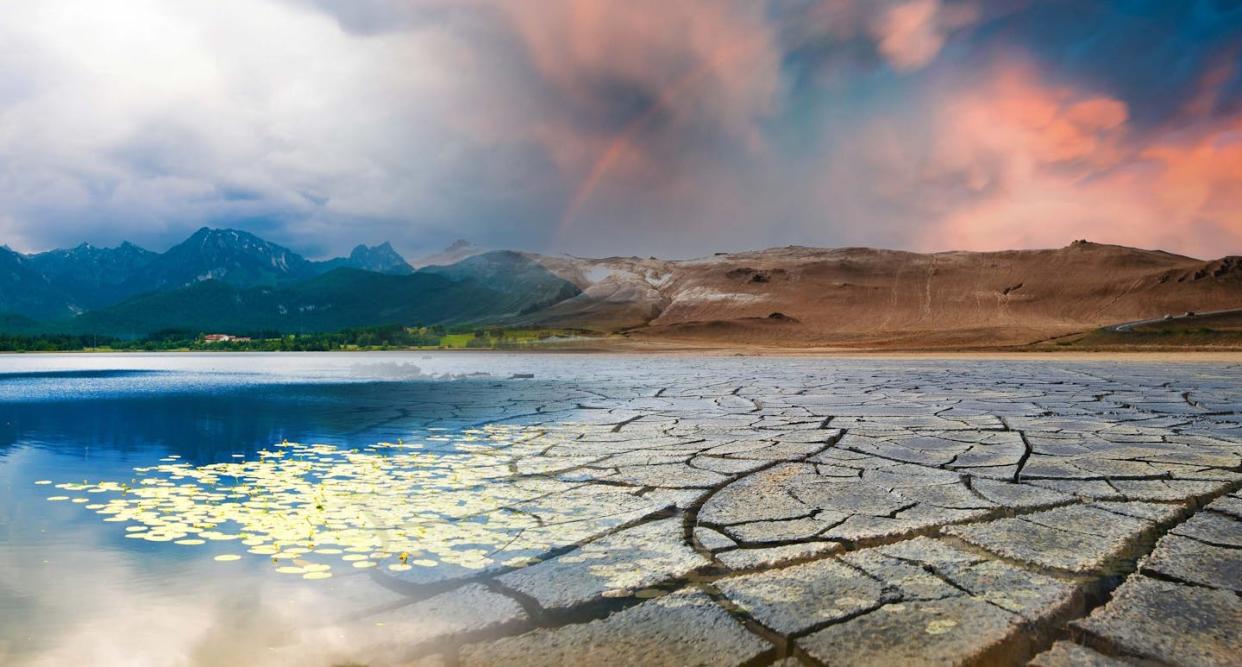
(911, 33)
(1049, 163)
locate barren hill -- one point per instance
(863, 296)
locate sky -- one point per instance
(635, 127)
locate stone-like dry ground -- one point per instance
(882, 513)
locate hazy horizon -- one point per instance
(633, 128)
(430, 252)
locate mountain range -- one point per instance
(233, 281)
(88, 277)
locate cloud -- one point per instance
(639, 91)
(148, 118)
(615, 127)
(911, 33)
(1012, 157)
(144, 610)
(1044, 163)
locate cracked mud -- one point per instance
(843, 512)
(865, 513)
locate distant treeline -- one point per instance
(371, 338)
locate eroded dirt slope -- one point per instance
(865, 296)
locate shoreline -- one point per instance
(1195, 355)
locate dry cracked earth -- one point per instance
(853, 513)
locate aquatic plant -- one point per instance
(309, 508)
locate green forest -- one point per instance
(392, 337)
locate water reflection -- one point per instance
(76, 590)
(210, 425)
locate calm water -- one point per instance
(74, 590)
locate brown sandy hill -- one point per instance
(869, 297)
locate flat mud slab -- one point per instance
(850, 513)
